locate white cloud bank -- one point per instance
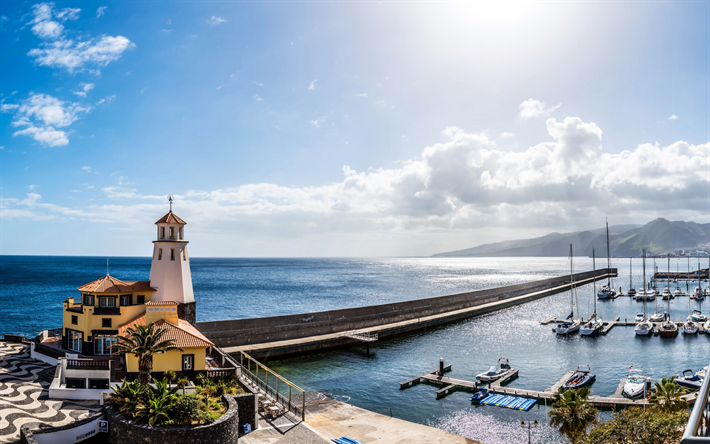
(57, 51)
(40, 114)
(461, 184)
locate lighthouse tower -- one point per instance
(170, 269)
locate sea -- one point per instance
(32, 289)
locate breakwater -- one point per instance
(300, 333)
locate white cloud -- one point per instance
(108, 99)
(673, 117)
(86, 168)
(43, 25)
(317, 123)
(362, 95)
(214, 20)
(534, 108)
(312, 86)
(40, 114)
(85, 88)
(101, 10)
(257, 98)
(74, 56)
(258, 84)
(506, 135)
(460, 184)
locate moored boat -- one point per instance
(658, 317)
(690, 327)
(643, 328)
(698, 316)
(690, 380)
(479, 396)
(668, 329)
(581, 378)
(637, 384)
(495, 372)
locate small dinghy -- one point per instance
(640, 317)
(495, 372)
(637, 383)
(581, 378)
(691, 380)
(479, 396)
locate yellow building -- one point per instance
(108, 306)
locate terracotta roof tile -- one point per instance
(184, 334)
(109, 284)
(171, 218)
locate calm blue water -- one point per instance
(32, 289)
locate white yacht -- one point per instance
(658, 317)
(495, 372)
(637, 384)
(690, 327)
(640, 317)
(699, 294)
(643, 328)
(592, 327)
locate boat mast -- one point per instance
(608, 256)
(631, 271)
(571, 285)
(594, 282)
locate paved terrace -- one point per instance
(24, 401)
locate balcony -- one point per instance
(88, 364)
(107, 311)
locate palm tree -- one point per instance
(182, 383)
(144, 342)
(572, 414)
(667, 394)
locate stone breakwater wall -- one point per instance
(394, 318)
(223, 430)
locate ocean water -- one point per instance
(33, 288)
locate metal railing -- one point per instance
(220, 372)
(253, 369)
(698, 429)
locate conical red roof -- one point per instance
(171, 218)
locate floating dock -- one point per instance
(496, 388)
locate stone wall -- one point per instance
(239, 332)
(224, 430)
(188, 312)
(247, 410)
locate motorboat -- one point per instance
(658, 317)
(707, 327)
(495, 372)
(643, 328)
(668, 329)
(592, 327)
(640, 317)
(568, 327)
(666, 294)
(646, 295)
(637, 384)
(690, 327)
(690, 380)
(678, 292)
(581, 378)
(698, 316)
(479, 396)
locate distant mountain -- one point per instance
(657, 237)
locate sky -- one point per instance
(293, 129)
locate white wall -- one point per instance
(40, 357)
(70, 436)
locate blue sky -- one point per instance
(347, 129)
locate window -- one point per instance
(140, 299)
(88, 299)
(184, 254)
(187, 362)
(106, 322)
(76, 383)
(160, 254)
(107, 302)
(74, 320)
(98, 384)
(75, 340)
(103, 344)
(172, 254)
(172, 233)
(180, 233)
(127, 299)
(162, 232)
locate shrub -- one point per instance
(186, 409)
(636, 426)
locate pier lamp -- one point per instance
(529, 426)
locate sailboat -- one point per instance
(595, 324)
(645, 326)
(677, 292)
(699, 294)
(632, 290)
(570, 325)
(668, 328)
(607, 291)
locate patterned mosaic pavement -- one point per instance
(24, 400)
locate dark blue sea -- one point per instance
(32, 290)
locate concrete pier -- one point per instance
(307, 332)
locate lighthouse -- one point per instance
(170, 268)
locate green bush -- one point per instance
(638, 426)
(186, 409)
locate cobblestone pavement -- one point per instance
(24, 401)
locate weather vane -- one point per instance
(171, 199)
